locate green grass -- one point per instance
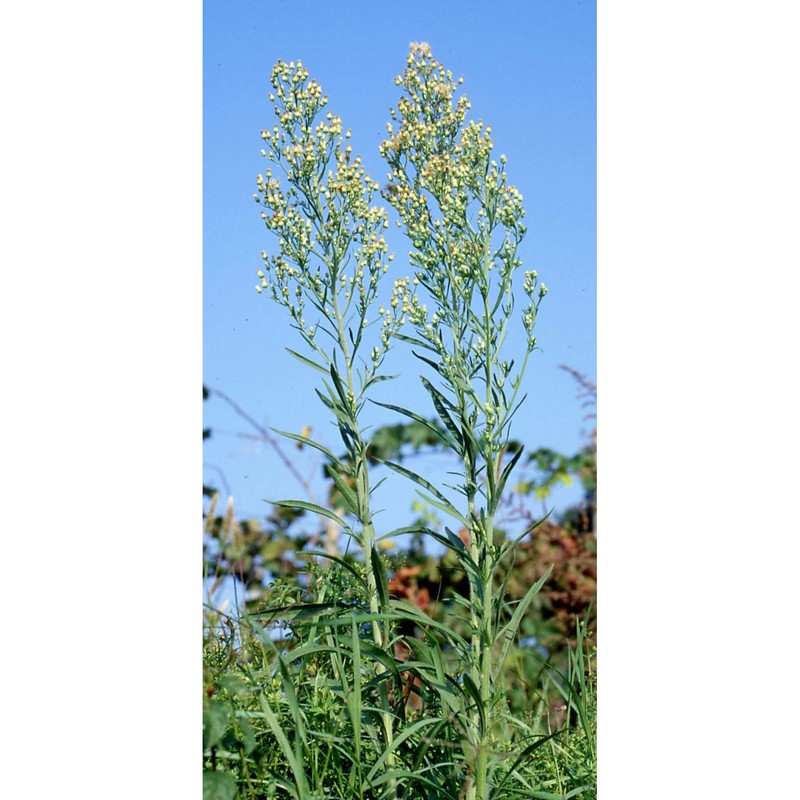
(303, 719)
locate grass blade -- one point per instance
(300, 788)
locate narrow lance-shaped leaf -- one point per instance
(314, 508)
(300, 789)
(430, 362)
(543, 739)
(377, 379)
(473, 691)
(307, 361)
(440, 403)
(447, 507)
(348, 495)
(503, 478)
(406, 734)
(297, 437)
(440, 435)
(416, 342)
(509, 631)
(450, 541)
(294, 708)
(382, 657)
(379, 571)
(354, 700)
(337, 382)
(408, 611)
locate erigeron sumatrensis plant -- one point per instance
(330, 273)
(464, 221)
(331, 264)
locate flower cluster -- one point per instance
(464, 221)
(332, 251)
(535, 292)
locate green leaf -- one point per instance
(248, 734)
(382, 657)
(218, 785)
(298, 611)
(431, 661)
(378, 379)
(432, 390)
(509, 631)
(412, 613)
(587, 787)
(294, 708)
(331, 403)
(439, 434)
(379, 571)
(440, 403)
(514, 410)
(396, 775)
(312, 507)
(300, 790)
(311, 443)
(503, 478)
(416, 342)
(447, 507)
(354, 699)
(307, 361)
(520, 758)
(406, 734)
(216, 717)
(473, 691)
(348, 495)
(337, 382)
(508, 546)
(450, 541)
(432, 364)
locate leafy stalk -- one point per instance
(331, 261)
(464, 221)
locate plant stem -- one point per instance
(359, 457)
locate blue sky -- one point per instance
(529, 71)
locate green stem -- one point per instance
(484, 657)
(359, 457)
(486, 662)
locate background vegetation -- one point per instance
(549, 672)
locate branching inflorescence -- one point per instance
(332, 251)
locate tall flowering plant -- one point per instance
(329, 268)
(464, 221)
